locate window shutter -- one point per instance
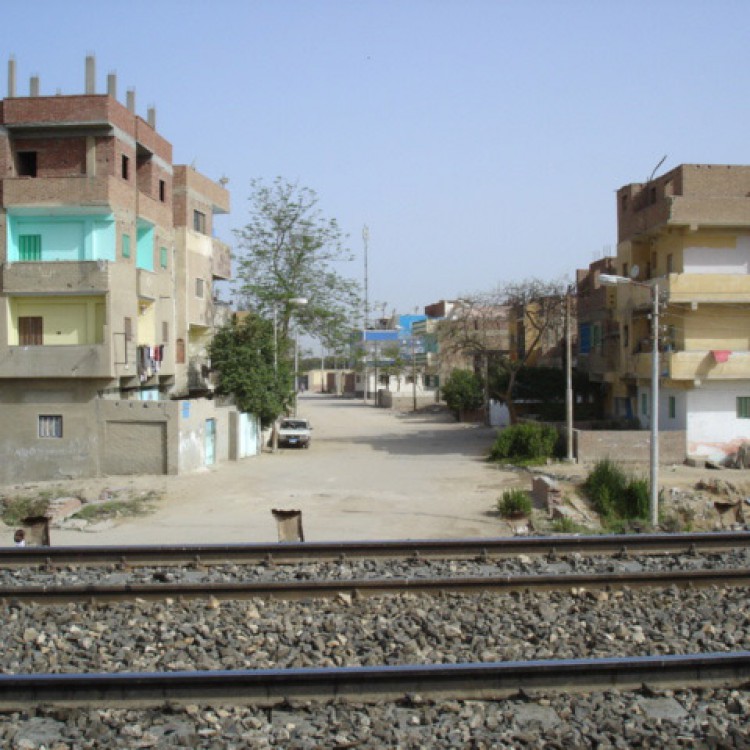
(30, 331)
(30, 247)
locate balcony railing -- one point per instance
(692, 365)
(50, 277)
(75, 191)
(707, 287)
(88, 361)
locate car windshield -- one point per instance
(294, 424)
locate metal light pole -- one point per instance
(365, 240)
(299, 302)
(612, 280)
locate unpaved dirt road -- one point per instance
(370, 474)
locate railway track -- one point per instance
(168, 651)
(374, 684)
(322, 589)
(488, 548)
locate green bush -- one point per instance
(463, 391)
(614, 494)
(529, 441)
(514, 502)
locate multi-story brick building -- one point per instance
(689, 232)
(598, 331)
(106, 305)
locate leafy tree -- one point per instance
(246, 357)
(540, 311)
(396, 366)
(289, 251)
(503, 331)
(463, 391)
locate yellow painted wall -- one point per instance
(67, 321)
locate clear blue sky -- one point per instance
(480, 141)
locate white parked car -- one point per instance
(295, 432)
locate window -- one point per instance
(199, 222)
(125, 245)
(626, 336)
(644, 404)
(163, 257)
(30, 331)
(672, 407)
(162, 191)
(669, 263)
(743, 407)
(624, 269)
(27, 163)
(30, 247)
(128, 324)
(199, 288)
(165, 332)
(179, 354)
(50, 426)
(125, 167)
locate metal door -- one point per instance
(210, 442)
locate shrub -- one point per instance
(463, 391)
(614, 494)
(529, 441)
(567, 525)
(14, 510)
(514, 502)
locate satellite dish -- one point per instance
(634, 271)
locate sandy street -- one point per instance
(370, 474)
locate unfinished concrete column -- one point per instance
(151, 117)
(130, 99)
(112, 85)
(34, 86)
(12, 77)
(90, 74)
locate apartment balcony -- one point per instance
(51, 362)
(146, 284)
(55, 277)
(81, 190)
(693, 365)
(707, 287)
(221, 260)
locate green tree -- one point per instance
(289, 251)
(245, 354)
(463, 391)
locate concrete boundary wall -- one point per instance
(404, 401)
(629, 445)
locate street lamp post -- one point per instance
(299, 302)
(613, 280)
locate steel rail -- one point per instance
(373, 684)
(319, 589)
(296, 552)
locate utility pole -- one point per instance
(568, 380)
(654, 473)
(365, 321)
